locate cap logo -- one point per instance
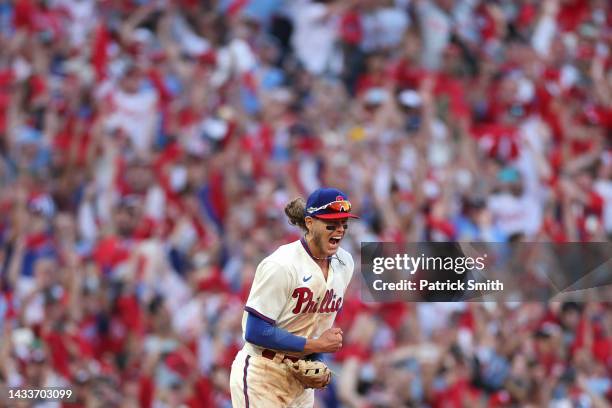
(339, 198)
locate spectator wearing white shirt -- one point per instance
(436, 29)
(603, 186)
(384, 27)
(516, 212)
(133, 110)
(315, 35)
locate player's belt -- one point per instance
(270, 354)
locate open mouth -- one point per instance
(334, 241)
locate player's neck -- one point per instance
(321, 261)
(319, 258)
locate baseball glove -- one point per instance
(311, 374)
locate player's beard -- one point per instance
(320, 241)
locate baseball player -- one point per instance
(291, 308)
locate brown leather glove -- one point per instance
(311, 374)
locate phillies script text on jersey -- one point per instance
(329, 304)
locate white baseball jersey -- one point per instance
(290, 291)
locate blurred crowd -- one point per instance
(148, 147)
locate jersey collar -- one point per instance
(305, 245)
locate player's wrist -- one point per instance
(311, 346)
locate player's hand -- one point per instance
(330, 341)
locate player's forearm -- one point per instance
(264, 334)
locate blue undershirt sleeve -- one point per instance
(264, 334)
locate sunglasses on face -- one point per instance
(339, 206)
(333, 227)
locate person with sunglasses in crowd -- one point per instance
(288, 318)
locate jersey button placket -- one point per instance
(330, 277)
